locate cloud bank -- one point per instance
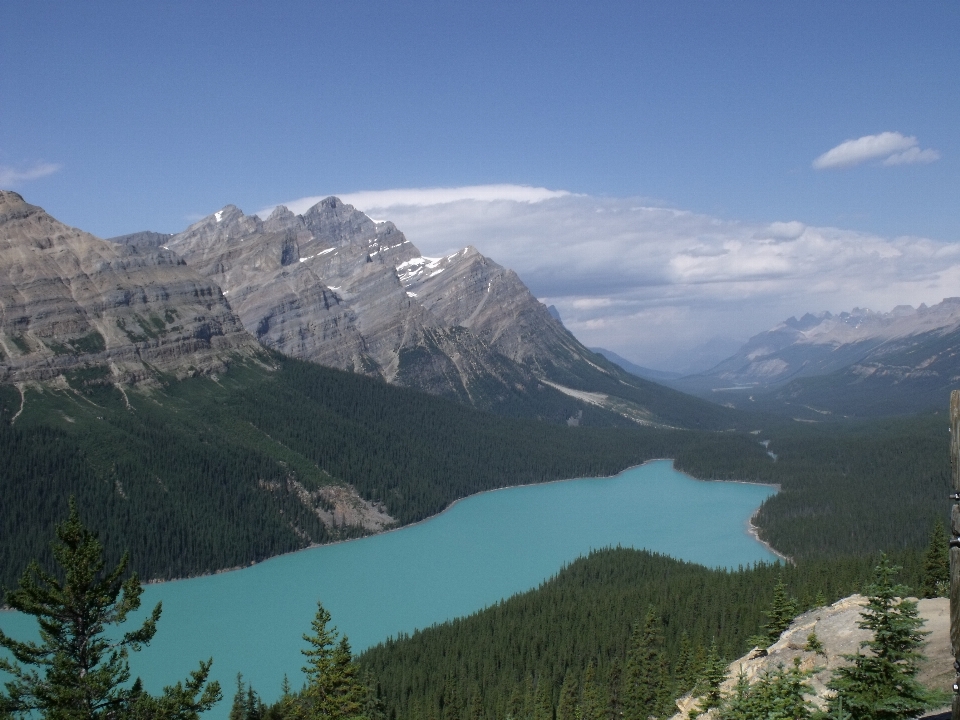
(653, 283)
(428, 196)
(12, 177)
(894, 147)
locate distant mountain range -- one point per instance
(334, 287)
(859, 363)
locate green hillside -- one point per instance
(503, 660)
(210, 473)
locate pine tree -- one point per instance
(645, 670)
(237, 708)
(882, 685)
(683, 672)
(781, 613)
(80, 666)
(543, 700)
(333, 691)
(593, 703)
(713, 675)
(936, 564)
(567, 706)
(776, 695)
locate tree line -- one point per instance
(216, 467)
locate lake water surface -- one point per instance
(483, 549)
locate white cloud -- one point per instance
(11, 177)
(648, 281)
(912, 155)
(784, 230)
(370, 200)
(896, 148)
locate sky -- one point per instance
(666, 174)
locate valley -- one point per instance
(250, 388)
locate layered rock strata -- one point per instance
(70, 300)
(334, 287)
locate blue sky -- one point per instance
(122, 116)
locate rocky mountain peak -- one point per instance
(12, 203)
(282, 218)
(69, 299)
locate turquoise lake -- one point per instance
(481, 550)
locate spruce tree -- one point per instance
(882, 685)
(567, 705)
(936, 564)
(79, 668)
(683, 672)
(373, 705)
(332, 691)
(645, 670)
(781, 613)
(237, 708)
(515, 708)
(776, 695)
(593, 703)
(713, 674)
(543, 700)
(738, 705)
(475, 709)
(614, 690)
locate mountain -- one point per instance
(855, 363)
(334, 287)
(71, 301)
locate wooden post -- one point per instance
(955, 546)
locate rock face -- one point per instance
(334, 287)
(836, 629)
(70, 300)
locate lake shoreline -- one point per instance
(751, 529)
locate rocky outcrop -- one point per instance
(836, 628)
(337, 288)
(70, 300)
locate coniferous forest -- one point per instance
(197, 475)
(582, 621)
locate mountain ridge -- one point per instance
(69, 300)
(333, 286)
(855, 363)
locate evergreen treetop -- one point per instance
(882, 685)
(333, 690)
(782, 611)
(645, 671)
(936, 564)
(79, 672)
